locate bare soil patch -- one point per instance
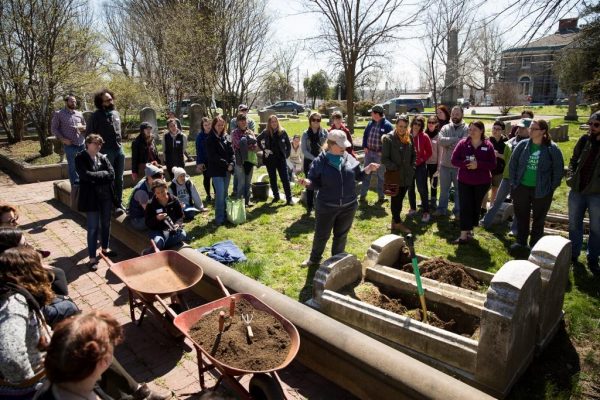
(267, 350)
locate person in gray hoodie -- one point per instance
(448, 138)
(184, 189)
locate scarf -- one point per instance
(315, 145)
(334, 160)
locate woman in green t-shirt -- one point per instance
(536, 169)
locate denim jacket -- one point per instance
(550, 167)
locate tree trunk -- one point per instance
(350, 98)
(18, 122)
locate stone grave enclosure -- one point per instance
(499, 328)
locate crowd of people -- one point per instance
(50, 350)
(441, 158)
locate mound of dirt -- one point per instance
(445, 271)
(369, 293)
(267, 350)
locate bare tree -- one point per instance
(43, 45)
(506, 96)
(353, 32)
(445, 69)
(120, 37)
(486, 54)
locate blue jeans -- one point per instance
(372, 157)
(578, 204)
(448, 176)
(420, 181)
(98, 222)
(501, 195)
(117, 160)
(220, 194)
(71, 151)
(173, 240)
(244, 182)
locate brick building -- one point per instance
(531, 65)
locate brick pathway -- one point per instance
(149, 353)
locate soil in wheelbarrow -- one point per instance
(409, 306)
(440, 270)
(267, 350)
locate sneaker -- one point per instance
(93, 264)
(309, 210)
(275, 200)
(208, 199)
(310, 263)
(145, 393)
(289, 202)
(109, 253)
(511, 234)
(426, 218)
(398, 226)
(411, 212)
(249, 204)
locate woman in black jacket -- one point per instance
(275, 144)
(143, 151)
(164, 217)
(96, 195)
(220, 162)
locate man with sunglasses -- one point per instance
(141, 195)
(583, 177)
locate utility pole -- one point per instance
(298, 84)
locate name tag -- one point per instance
(381, 130)
(178, 142)
(282, 140)
(159, 210)
(484, 148)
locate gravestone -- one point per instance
(509, 324)
(86, 116)
(195, 120)
(507, 128)
(263, 116)
(553, 255)
(149, 115)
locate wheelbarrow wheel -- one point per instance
(263, 387)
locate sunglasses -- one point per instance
(431, 123)
(595, 124)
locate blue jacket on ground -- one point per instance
(550, 167)
(385, 127)
(336, 187)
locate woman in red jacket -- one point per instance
(422, 145)
(475, 158)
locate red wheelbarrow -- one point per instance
(264, 384)
(154, 277)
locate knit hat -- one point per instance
(595, 116)
(152, 170)
(177, 171)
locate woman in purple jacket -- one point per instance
(475, 159)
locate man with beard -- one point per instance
(106, 122)
(449, 137)
(68, 126)
(583, 177)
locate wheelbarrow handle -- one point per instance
(223, 288)
(166, 306)
(107, 260)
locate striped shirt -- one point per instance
(64, 124)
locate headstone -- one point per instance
(509, 324)
(507, 128)
(572, 112)
(553, 255)
(335, 273)
(384, 251)
(86, 116)
(149, 115)
(195, 120)
(263, 116)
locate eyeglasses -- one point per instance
(535, 129)
(431, 123)
(595, 124)
(315, 120)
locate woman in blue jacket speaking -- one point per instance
(334, 174)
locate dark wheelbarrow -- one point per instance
(154, 277)
(264, 384)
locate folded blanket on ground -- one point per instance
(225, 252)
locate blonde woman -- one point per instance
(276, 147)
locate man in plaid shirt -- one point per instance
(68, 125)
(378, 127)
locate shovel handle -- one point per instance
(169, 309)
(223, 288)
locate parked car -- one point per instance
(562, 102)
(412, 105)
(287, 106)
(464, 103)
